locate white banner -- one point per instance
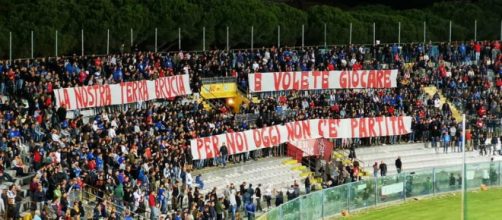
(239, 142)
(123, 93)
(310, 80)
(392, 188)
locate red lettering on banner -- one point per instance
(236, 141)
(294, 131)
(305, 81)
(300, 130)
(386, 120)
(141, 94)
(257, 82)
(208, 146)
(91, 95)
(362, 128)
(286, 80)
(174, 85)
(316, 74)
(364, 79)
(158, 91)
(379, 121)
(122, 94)
(91, 92)
(80, 96)
(106, 95)
(306, 129)
(320, 127)
(131, 92)
(379, 78)
(355, 79)
(400, 126)
(344, 79)
(333, 127)
(168, 87)
(275, 139)
(65, 100)
(257, 138)
(353, 126)
(371, 79)
(277, 81)
(181, 86)
(325, 80)
(200, 145)
(296, 80)
(371, 127)
(265, 137)
(393, 121)
(231, 142)
(216, 144)
(241, 143)
(165, 87)
(386, 79)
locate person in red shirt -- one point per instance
(477, 49)
(153, 206)
(151, 199)
(37, 159)
(357, 66)
(331, 67)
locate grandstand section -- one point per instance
(414, 157)
(276, 173)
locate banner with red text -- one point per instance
(245, 141)
(122, 93)
(311, 80)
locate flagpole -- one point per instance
(464, 180)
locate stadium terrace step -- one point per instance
(415, 167)
(419, 158)
(415, 157)
(275, 172)
(238, 167)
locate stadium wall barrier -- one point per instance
(367, 193)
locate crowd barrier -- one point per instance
(373, 192)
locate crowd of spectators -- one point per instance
(138, 160)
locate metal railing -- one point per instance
(377, 191)
(211, 80)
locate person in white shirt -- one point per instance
(111, 133)
(189, 179)
(232, 201)
(268, 196)
(137, 199)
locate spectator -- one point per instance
(399, 164)
(383, 169)
(223, 154)
(375, 169)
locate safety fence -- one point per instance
(373, 192)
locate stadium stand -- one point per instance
(414, 157)
(136, 160)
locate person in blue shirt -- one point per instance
(250, 210)
(199, 181)
(446, 142)
(117, 75)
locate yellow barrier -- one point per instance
(218, 90)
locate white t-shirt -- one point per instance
(137, 198)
